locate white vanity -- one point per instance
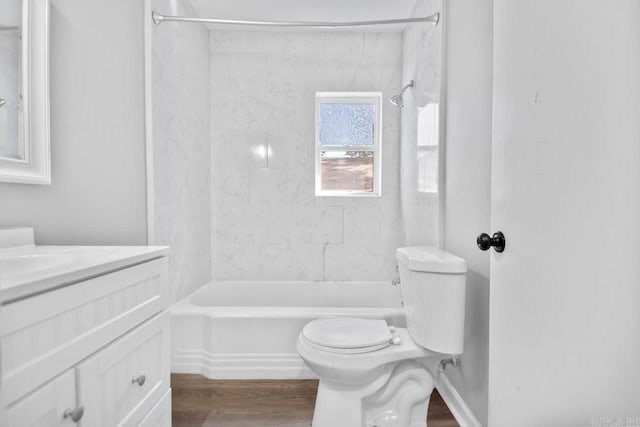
(84, 335)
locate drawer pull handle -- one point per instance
(140, 379)
(74, 414)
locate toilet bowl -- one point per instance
(374, 374)
(351, 365)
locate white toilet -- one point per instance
(373, 374)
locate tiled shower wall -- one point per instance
(422, 62)
(266, 222)
(181, 147)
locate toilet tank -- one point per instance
(433, 292)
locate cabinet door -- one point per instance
(46, 406)
(160, 415)
(121, 383)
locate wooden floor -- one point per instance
(200, 402)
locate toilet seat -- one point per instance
(346, 367)
(347, 335)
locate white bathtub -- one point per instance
(248, 329)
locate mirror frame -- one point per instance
(36, 167)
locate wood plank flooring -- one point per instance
(201, 402)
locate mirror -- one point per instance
(24, 92)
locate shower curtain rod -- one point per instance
(158, 18)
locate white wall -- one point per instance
(97, 195)
(266, 222)
(467, 194)
(181, 150)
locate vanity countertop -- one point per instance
(32, 269)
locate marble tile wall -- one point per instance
(266, 223)
(182, 170)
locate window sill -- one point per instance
(347, 194)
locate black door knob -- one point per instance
(484, 242)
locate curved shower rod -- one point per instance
(159, 18)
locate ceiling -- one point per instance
(304, 10)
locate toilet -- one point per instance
(374, 374)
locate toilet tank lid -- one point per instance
(430, 259)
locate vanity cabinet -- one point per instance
(92, 353)
(160, 415)
(121, 383)
(47, 405)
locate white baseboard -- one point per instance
(288, 366)
(240, 365)
(458, 407)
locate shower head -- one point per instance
(397, 99)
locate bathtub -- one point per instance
(248, 329)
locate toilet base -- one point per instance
(397, 398)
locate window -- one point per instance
(427, 150)
(348, 143)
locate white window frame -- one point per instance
(374, 98)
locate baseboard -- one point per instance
(288, 366)
(458, 407)
(240, 365)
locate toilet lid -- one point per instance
(347, 333)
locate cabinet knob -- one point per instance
(75, 414)
(140, 379)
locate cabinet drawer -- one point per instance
(44, 335)
(120, 384)
(45, 406)
(160, 415)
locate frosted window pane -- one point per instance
(346, 124)
(428, 126)
(346, 171)
(427, 150)
(427, 171)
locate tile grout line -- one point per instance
(324, 261)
